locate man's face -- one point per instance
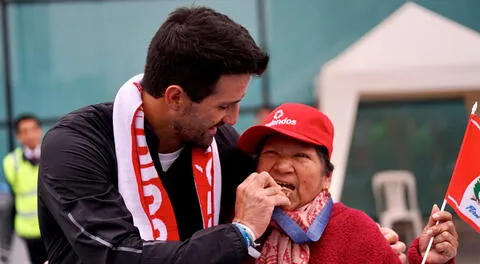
(199, 121)
(29, 133)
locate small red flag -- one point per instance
(463, 192)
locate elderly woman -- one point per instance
(294, 146)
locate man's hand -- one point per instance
(256, 198)
(397, 245)
(445, 237)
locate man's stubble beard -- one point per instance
(188, 136)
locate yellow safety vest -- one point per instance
(23, 176)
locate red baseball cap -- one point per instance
(298, 121)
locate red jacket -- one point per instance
(351, 236)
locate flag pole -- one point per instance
(474, 110)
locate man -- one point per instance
(99, 203)
(21, 173)
(161, 163)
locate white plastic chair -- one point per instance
(395, 195)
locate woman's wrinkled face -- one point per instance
(296, 166)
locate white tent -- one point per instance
(413, 51)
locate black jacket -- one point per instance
(83, 218)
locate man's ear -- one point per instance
(175, 97)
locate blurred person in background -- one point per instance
(262, 112)
(294, 145)
(21, 172)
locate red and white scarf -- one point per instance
(279, 248)
(138, 180)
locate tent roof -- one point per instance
(413, 37)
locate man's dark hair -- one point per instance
(194, 47)
(24, 117)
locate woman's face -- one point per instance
(296, 166)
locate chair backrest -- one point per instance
(394, 190)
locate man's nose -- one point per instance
(232, 115)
